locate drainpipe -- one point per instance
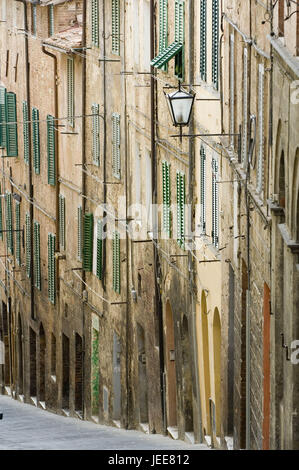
(158, 300)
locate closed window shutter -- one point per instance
(203, 40)
(79, 233)
(36, 140)
(88, 242)
(51, 20)
(180, 181)
(116, 262)
(163, 24)
(215, 43)
(166, 197)
(18, 233)
(99, 269)
(51, 150)
(9, 234)
(95, 134)
(1, 216)
(215, 204)
(261, 123)
(70, 91)
(51, 268)
(116, 145)
(61, 222)
(245, 107)
(11, 128)
(203, 189)
(36, 247)
(179, 37)
(28, 244)
(232, 87)
(95, 23)
(2, 116)
(34, 20)
(115, 27)
(26, 132)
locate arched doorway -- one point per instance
(217, 368)
(42, 360)
(187, 377)
(20, 357)
(79, 374)
(170, 369)
(65, 372)
(206, 362)
(142, 378)
(32, 349)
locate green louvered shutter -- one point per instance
(116, 145)
(36, 248)
(88, 242)
(181, 209)
(9, 234)
(36, 140)
(116, 262)
(163, 27)
(51, 268)
(70, 91)
(115, 27)
(95, 23)
(1, 216)
(18, 233)
(26, 132)
(166, 197)
(203, 189)
(11, 128)
(203, 40)
(215, 204)
(95, 134)
(215, 43)
(179, 37)
(261, 128)
(79, 233)
(28, 244)
(99, 249)
(51, 150)
(51, 20)
(2, 116)
(61, 222)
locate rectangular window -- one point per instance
(9, 234)
(181, 197)
(36, 251)
(36, 140)
(2, 117)
(215, 204)
(51, 147)
(166, 197)
(116, 261)
(61, 222)
(70, 91)
(115, 27)
(245, 108)
(11, 128)
(203, 40)
(26, 132)
(79, 233)
(215, 43)
(116, 145)
(33, 19)
(88, 242)
(51, 268)
(261, 124)
(95, 23)
(95, 134)
(28, 244)
(18, 233)
(203, 189)
(179, 37)
(51, 19)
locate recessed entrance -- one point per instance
(171, 386)
(142, 379)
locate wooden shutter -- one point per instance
(215, 204)
(203, 189)
(215, 43)
(166, 197)
(36, 140)
(28, 244)
(245, 108)
(61, 222)
(11, 128)
(116, 261)
(115, 27)
(95, 134)
(51, 20)
(79, 233)
(95, 23)
(51, 150)
(26, 132)
(180, 182)
(232, 87)
(36, 248)
(203, 39)
(261, 124)
(116, 145)
(163, 24)
(2, 116)
(9, 234)
(34, 20)
(88, 242)
(70, 91)
(51, 268)
(179, 37)
(1, 216)
(99, 268)
(18, 233)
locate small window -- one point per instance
(180, 38)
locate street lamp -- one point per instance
(180, 104)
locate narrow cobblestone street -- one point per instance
(25, 427)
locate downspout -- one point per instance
(158, 300)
